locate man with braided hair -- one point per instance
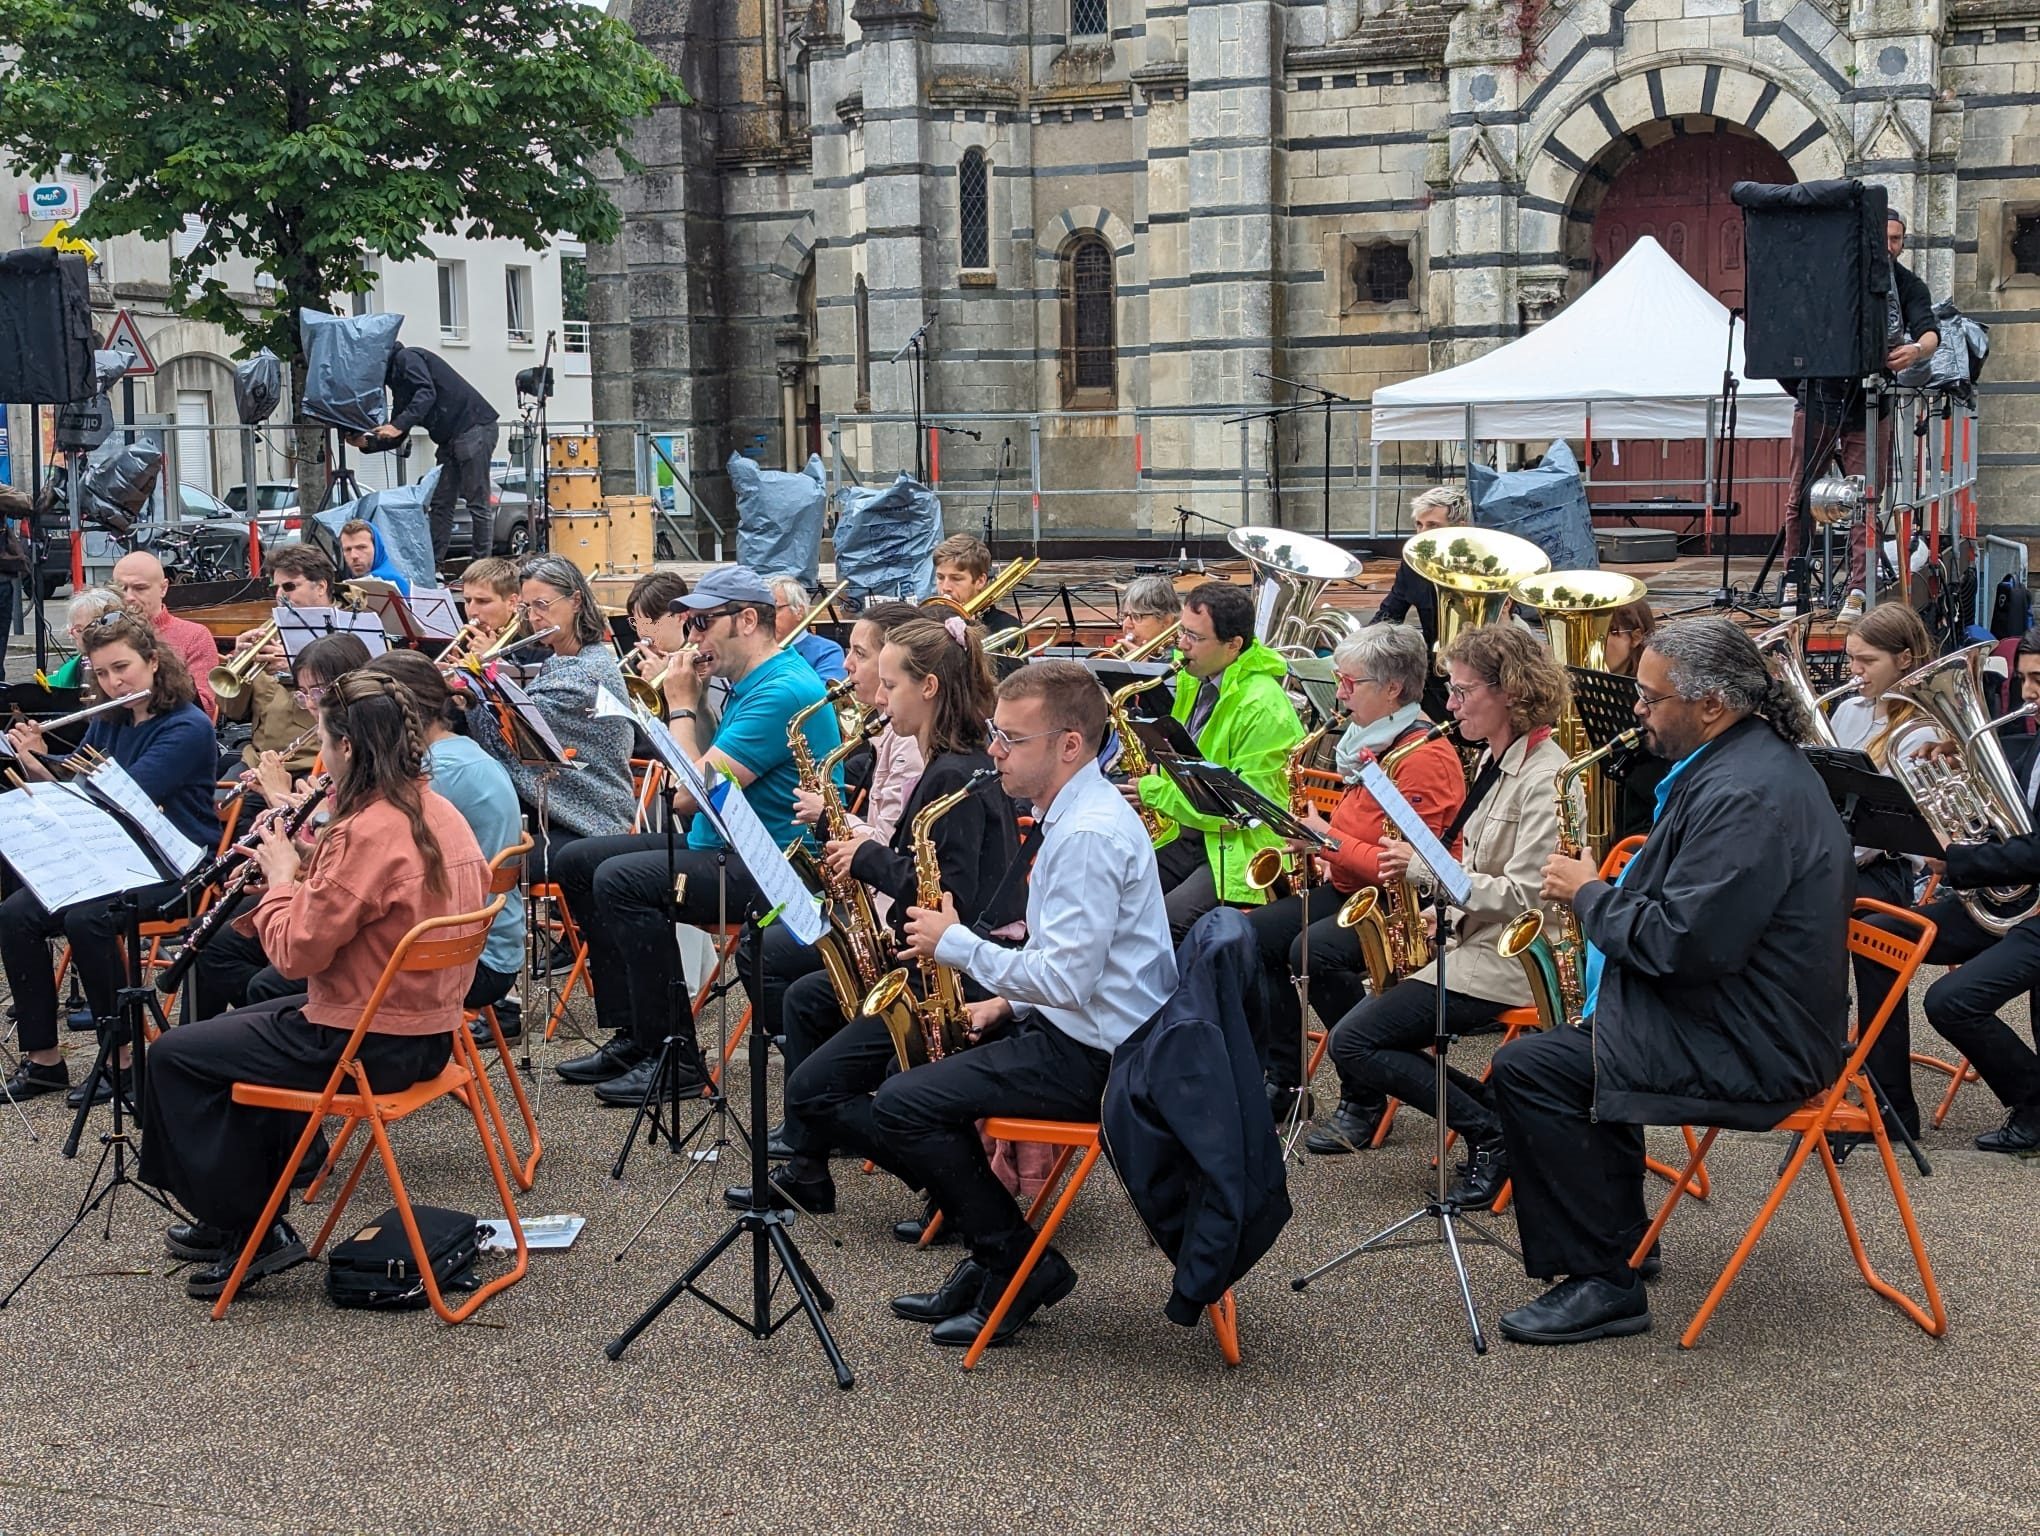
(1716, 982)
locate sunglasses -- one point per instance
(701, 623)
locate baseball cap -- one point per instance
(724, 584)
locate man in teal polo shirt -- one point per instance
(621, 890)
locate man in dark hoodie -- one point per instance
(1716, 981)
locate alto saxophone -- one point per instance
(1271, 869)
(1556, 962)
(1133, 758)
(1387, 920)
(853, 950)
(936, 1022)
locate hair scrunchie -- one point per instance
(956, 629)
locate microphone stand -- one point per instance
(913, 345)
(998, 479)
(1326, 398)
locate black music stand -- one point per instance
(1605, 703)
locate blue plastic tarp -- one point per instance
(885, 540)
(779, 517)
(1546, 504)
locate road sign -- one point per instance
(59, 239)
(125, 336)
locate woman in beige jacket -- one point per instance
(1507, 693)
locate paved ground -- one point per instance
(1359, 1404)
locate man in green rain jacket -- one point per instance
(1229, 696)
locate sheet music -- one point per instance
(609, 707)
(68, 850)
(1451, 875)
(299, 627)
(796, 906)
(114, 782)
(529, 718)
(434, 615)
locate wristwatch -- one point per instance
(680, 714)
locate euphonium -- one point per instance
(1133, 758)
(1976, 798)
(1783, 647)
(936, 1022)
(1272, 869)
(1556, 963)
(1474, 570)
(1292, 572)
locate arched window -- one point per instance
(863, 312)
(973, 207)
(1090, 345)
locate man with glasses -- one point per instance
(1096, 965)
(143, 585)
(622, 892)
(1229, 695)
(302, 578)
(789, 605)
(1716, 982)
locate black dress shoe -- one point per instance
(1350, 1128)
(1481, 1177)
(2019, 1136)
(199, 1243)
(279, 1251)
(786, 1193)
(510, 1021)
(79, 1021)
(1051, 1280)
(1653, 1262)
(1582, 1308)
(777, 1147)
(953, 1298)
(910, 1230)
(612, 1058)
(102, 1087)
(629, 1090)
(33, 1078)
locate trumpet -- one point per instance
(231, 678)
(644, 693)
(509, 640)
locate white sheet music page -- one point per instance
(114, 782)
(434, 615)
(1451, 876)
(299, 627)
(797, 906)
(66, 849)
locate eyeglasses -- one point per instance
(310, 696)
(999, 741)
(1190, 637)
(541, 605)
(1357, 682)
(702, 623)
(1648, 701)
(1459, 691)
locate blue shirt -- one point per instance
(823, 654)
(481, 791)
(173, 758)
(752, 733)
(1590, 979)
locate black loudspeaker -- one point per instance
(46, 336)
(1816, 279)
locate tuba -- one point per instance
(1977, 798)
(936, 1022)
(1474, 570)
(1783, 647)
(1291, 573)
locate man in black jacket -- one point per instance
(1828, 421)
(1442, 506)
(1716, 980)
(426, 392)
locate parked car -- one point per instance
(272, 498)
(194, 506)
(510, 492)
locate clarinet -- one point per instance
(242, 851)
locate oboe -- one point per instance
(242, 851)
(295, 745)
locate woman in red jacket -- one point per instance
(1381, 672)
(394, 854)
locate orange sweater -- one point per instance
(336, 925)
(1430, 778)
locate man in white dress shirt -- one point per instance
(1097, 964)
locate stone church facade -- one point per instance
(1140, 210)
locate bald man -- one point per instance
(142, 585)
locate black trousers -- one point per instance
(1963, 1005)
(94, 928)
(1890, 1061)
(1578, 1180)
(464, 476)
(1379, 1047)
(787, 961)
(810, 1016)
(1188, 890)
(221, 1159)
(829, 1091)
(927, 1122)
(619, 891)
(1338, 980)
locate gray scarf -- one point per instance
(1372, 738)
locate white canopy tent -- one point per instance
(1639, 354)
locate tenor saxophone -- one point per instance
(935, 1023)
(1133, 758)
(853, 950)
(1556, 961)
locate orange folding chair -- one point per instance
(506, 869)
(1071, 1137)
(439, 943)
(1847, 1106)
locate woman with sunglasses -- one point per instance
(395, 854)
(595, 797)
(935, 684)
(166, 744)
(1505, 691)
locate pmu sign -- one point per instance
(48, 200)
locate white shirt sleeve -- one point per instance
(1063, 960)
